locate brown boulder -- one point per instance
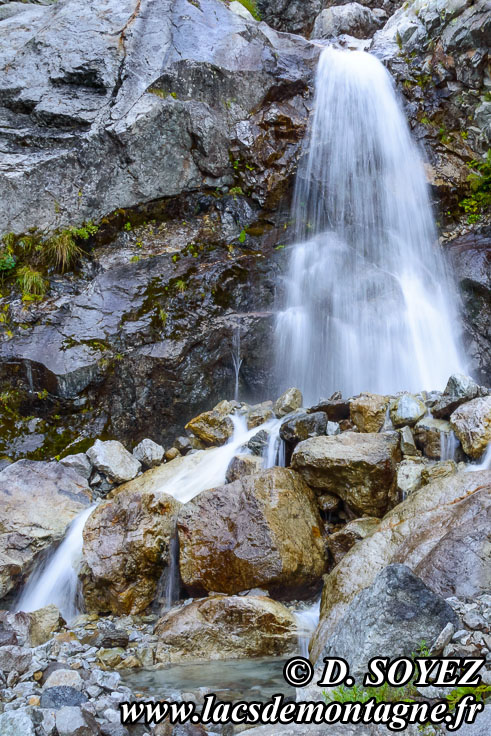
(342, 541)
(126, 547)
(471, 422)
(226, 627)
(214, 427)
(263, 530)
(367, 412)
(359, 468)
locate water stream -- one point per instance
(55, 580)
(369, 305)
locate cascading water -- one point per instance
(56, 580)
(307, 620)
(369, 304)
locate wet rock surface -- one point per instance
(260, 531)
(30, 492)
(359, 468)
(226, 627)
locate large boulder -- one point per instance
(359, 468)
(214, 427)
(406, 410)
(391, 617)
(38, 501)
(126, 548)
(261, 531)
(353, 19)
(409, 534)
(368, 412)
(226, 627)
(471, 423)
(114, 460)
(35, 628)
(459, 389)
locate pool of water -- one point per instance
(230, 680)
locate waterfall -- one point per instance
(55, 580)
(172, 584)
(448, 445)
(236, 359)
(368, 303)
(307, 620)
(274, 452)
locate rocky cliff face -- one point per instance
(175, 127)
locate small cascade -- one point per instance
(237, 360)
(484, 463)
(448, 445)
(173, 581)
(274, 452)
(307, 620)
(209, 471)
(55, 580)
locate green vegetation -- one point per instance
(62, 250)
(27, 258)
(31, 282)
(479, 200)
(251, 6)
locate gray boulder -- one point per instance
(302, 426)
(352, 19)
(114, 460)
(391, 618)
(61, 696)
(459, 389)
(17, 723)
(72, 721)
(80, 463)
(15, 659)
(149, 453)
(406, 410)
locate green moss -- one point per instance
(479, 180)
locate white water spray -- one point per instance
(56, 580)
(369, 304)
(485, 462)
(307, 620)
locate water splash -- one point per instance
(274, 452)
(369, 305)
(449, 445)
(56, 579)
(307, 620)
(485, 462)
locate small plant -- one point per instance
(7, 261)
(163, 316)
(127, 226)
(251, 6)
(135, 259)
(62, 250)
(9, 241)
(236, 191)
(181, 286)
(242, 236)
(31, 282)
